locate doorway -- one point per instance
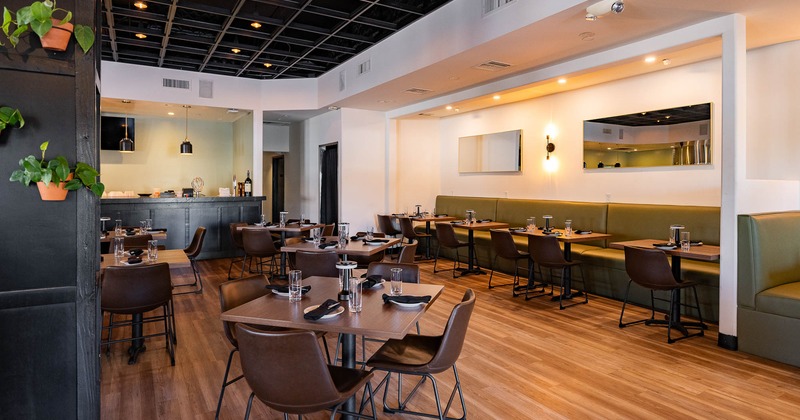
(277, 186)
(329, 184)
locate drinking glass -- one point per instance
(316, 235)
(531, 224)
(142, 227)
(686, 245)
(284, 216)
(302, 218)
(118, 227)
(295, 285)
(152, 249)
(397, 283)
(344, 232)
(568, 228)
(368, 236)
(355, 302)
(148, 224)
(119, 246)
(263, 220)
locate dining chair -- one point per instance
(328, 229)
(407, 229)
(192, 251)
(136, 291)
(313, 263)
(236, 242)
(364, 261)
(137, 241)
(505, 247)
(650, 269)
(259, 243)
(287, 372)
(424, 356)
(235, 293)
(546, 252)
(386, 225)
(408, 253)
(290, 256)
(446, 237)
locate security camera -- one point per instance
(602, 7)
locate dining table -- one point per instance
(295, 227)
(427, 220)
(562, 237)
(376, 319)
(699, 252)
(158, 234)
(472, 268)
(359, 246)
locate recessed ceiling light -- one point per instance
(267, 65)
(140, 5)
(449, 107)
(170, 113)
(233, 110)
(141, 36)
(667, 117)
(235, 50)
(126, 101)
(496, 97)
(650, 59)
(255, 25)
(562, 80)
(666, 61)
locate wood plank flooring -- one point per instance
(521, 360)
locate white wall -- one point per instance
(363, 175)
(304, 170)
(158, 164)
(242, 150)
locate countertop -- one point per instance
(149, 200)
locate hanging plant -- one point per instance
(10, 117)
(39, 18)
(57, 171)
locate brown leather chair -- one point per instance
(328, 229)
(236, 242)
(650, 268)
(410, 273)
(386, 226)
(192, 251)
(504, 247)
(446, 237)
(281, 366)
(313, 263)
(408, 253)
(259, 243)
(425, 356)
(364, 261)
(407, 229)
(546, 252)
(135, 291)
(137, 241)
(290, 257)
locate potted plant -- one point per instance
(10, 116)
(56, 176)
(53, 32)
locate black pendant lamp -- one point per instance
(126, 144)
(186, 146)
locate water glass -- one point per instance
(118, 227)
(295, 285)
(568, 228)
(316, 235)
(119, 246)
(263, 220)
(302, 218)
(355, 301)
(152, 249)
(531, 224)
(284, 217)
(148, 224)
(369, 235)
(344, 234)
(397, 282)
(686, 245)
(142, 227)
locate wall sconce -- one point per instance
(550, 165)
(550, 147)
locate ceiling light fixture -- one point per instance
(666, 61)
(126, 144)
(235, 50)
(267, 65)
(170, 113)
(603, 7)
(449, 107)
(140, 35)
(186, 146)
(650, 59)
(562, 80)
(255, 25)
(496, 97)
(140, 5)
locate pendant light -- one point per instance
(126, 144)
(186, 147)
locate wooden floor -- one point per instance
(521, 360)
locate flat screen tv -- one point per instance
(112, 130)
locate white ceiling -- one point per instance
(550, 41)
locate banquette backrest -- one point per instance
(456, 206)
(652, 221)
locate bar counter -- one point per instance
(181, 216)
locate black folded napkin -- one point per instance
(485, 220)
(583, 232)
(327, 244)
(308, 239)
(406, 299)
(325, 308)
(665, 244)
(285, 289)
(136, 252)
(134, 260)
(441, 215)
(457, 222)
(356, 237)
(371, 281)
(517, 229)
(129, 231)
(383, 241)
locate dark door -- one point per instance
(329, 185)
(277, 187)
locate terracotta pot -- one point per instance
(53, 191)
(58, 37)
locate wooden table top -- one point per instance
(353, 247)
(176, 258)
(376, 318)
(696, 252)
(161, 235)
(576, 237)
(480, 225)
(432, 218)
(290, 227)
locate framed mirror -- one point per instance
(493, 152)
(664, 137)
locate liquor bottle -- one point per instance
(233, 190)
(248, 185)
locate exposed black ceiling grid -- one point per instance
(679, 115)
(298, 38)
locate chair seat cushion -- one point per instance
(411, 354)
(783, 300)
(347, 380)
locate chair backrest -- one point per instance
(196, 246)
(238, 292)
(279, 366)
(503, 244)
(132, 290)
(454, 333)
(545, 250)
(328, 229)
(313, 263)
(407, 253)
(649, 268)
(407, 228)
(236, 234)
(410, 273)
(290, 255)
(385, 225)
(137, 241)
(446, 235)
(258, 242)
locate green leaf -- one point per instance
(98, 189)
(30, 164)
(60, 166)
(24, 16)
(85, 37)
(6, 20)
(40, 12)
(47, 176)
(73, 185)
(66, 19)
(43, 146)
(41, 27)
(17, 176)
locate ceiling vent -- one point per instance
(492, 5)
(176, 83)
(206, 89)
(417, 91)
(492, 65)
(364, 67)
(342, 81)
(425, 114)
